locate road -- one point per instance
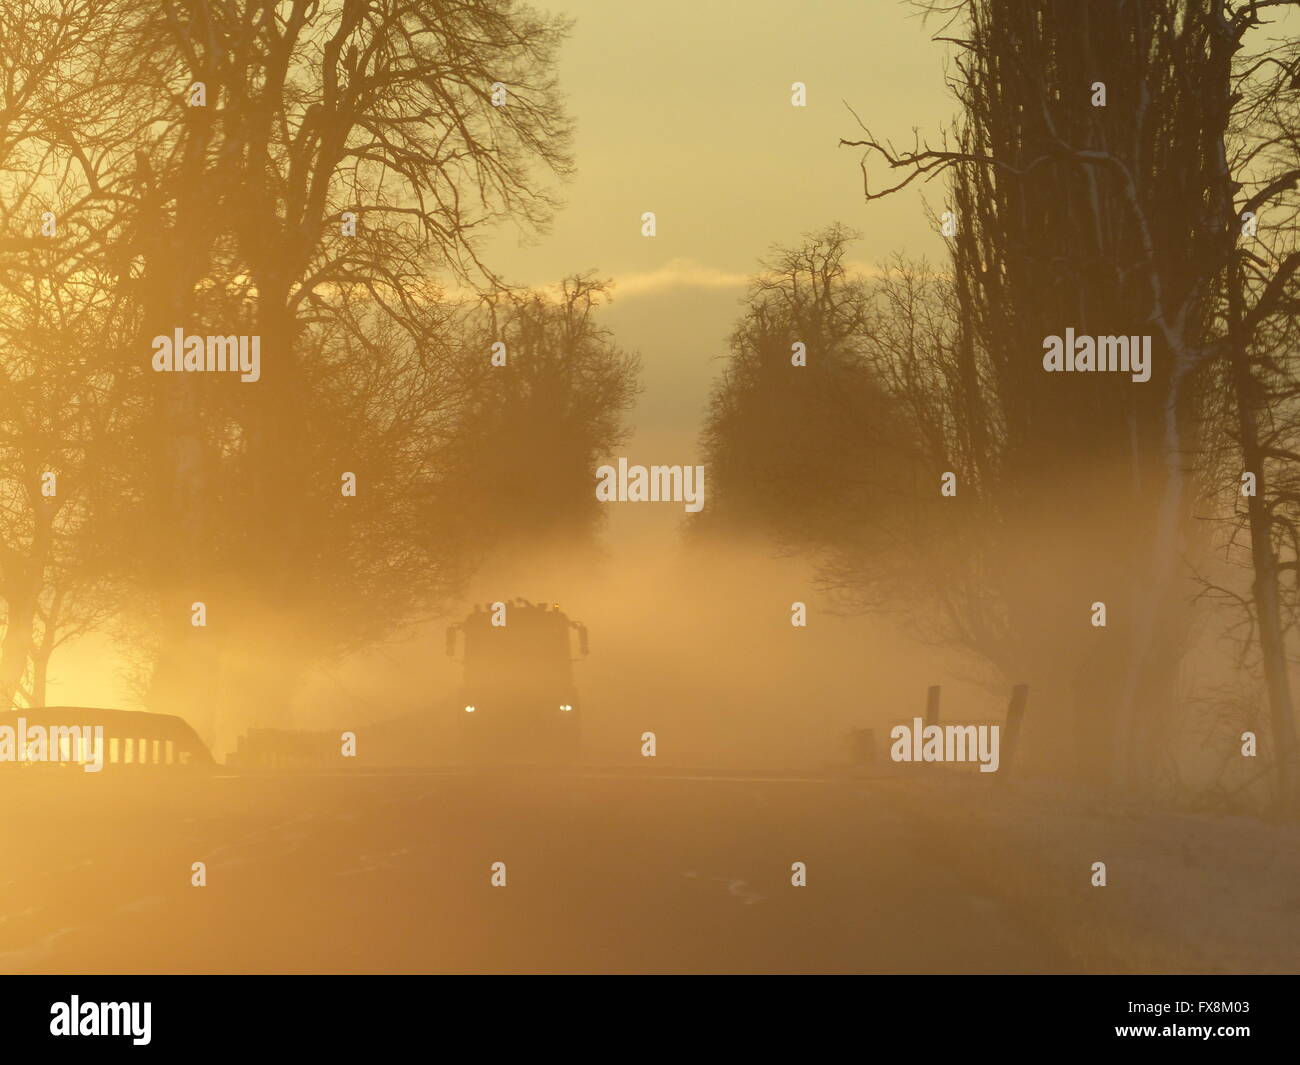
(606, 872)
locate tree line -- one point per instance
(1124, 167)
(320, 174)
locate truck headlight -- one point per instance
(469, 709)
(566, 706)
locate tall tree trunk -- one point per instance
(1247, 393)
(20, 597)
(40, 673)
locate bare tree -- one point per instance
(802, 443)
(1112, 220)
(295, 171)
(541, 416)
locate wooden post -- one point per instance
(932, 705)
(1015, 715)
(863, 746)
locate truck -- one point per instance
(518, 696)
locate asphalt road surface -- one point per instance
(606, 872)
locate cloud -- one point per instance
(681, 273)
(687, 273)
(678, 273)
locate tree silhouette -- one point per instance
(1111, 220)
(801, 441)
(296, 172)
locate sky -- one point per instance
(683, 108)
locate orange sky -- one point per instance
(683, 108)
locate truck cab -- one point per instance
(518, 696)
